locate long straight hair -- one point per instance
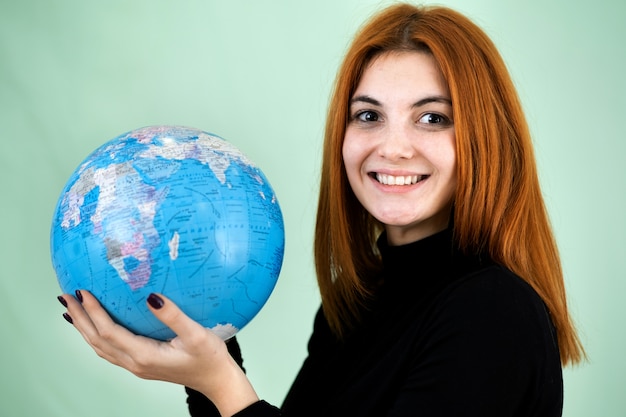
(498, 206)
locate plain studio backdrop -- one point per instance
(74, 74)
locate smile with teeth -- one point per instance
(399, 180)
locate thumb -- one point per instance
(172, 316)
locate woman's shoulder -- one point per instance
(490, 336)
(494, 285)
(494, 303)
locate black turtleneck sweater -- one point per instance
(448, 335)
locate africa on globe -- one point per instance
(171, 210)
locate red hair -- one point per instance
(498, 208)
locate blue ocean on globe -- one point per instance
(171, 210)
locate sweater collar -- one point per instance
(425, 266)
(423, 258)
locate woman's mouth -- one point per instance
(398, 179)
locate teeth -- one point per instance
(400, 180)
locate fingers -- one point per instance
(76, 314)
(108, 339)
(91, 320)
(196, 358)
(173, 317)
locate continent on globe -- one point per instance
(172, 210)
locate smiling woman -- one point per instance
(497, 215)
(441, 285)
(399, 148)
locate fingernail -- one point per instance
(155, 301)
(79, 295)
(62, 301)
(68, 318)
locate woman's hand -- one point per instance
(196, 357)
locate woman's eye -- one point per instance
(433, 118)
(367, 116)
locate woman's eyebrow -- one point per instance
(432, 99)
(365, 99)
(419, 103)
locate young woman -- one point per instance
(442, 291)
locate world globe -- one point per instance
(171, 210)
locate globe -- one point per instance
(172, 210)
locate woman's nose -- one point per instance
(397, 143)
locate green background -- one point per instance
(74, 74)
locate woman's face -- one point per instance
(399, 147)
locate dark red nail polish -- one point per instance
(68, 318)
(79, 296)
(62, 301)
(155, 301)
